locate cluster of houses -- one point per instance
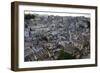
(46, 35)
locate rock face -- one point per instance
(45, 36)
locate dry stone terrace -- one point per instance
(54, 37)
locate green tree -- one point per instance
(64, 55)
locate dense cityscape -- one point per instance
(54, 37)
